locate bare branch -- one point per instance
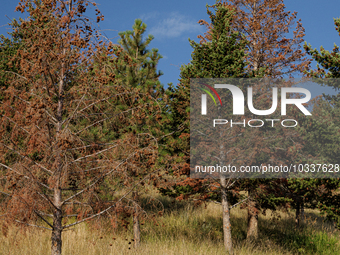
(107, 209)
(91, 155)
(25, 176)
(239, 203)
(16, 74)
(44, 196)
(91, 185)
(5, 193)
(42, 167)
(74, 112)
(32, 225)
(15, 123)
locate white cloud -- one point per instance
(150, 16)
(173, 26)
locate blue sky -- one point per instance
(173, 22)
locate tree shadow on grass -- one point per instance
(310, 238)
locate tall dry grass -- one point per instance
(184, 229)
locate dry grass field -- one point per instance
(184, 229)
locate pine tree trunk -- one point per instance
(252, 231)
(227, 239)
(302, 213)
(298, 212)
(136, 226)
(226, 218)
(56, 241)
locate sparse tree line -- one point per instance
(86, 126)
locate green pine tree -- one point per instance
(137, 65)
(222, 57)
(322, 134)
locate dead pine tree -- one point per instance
(59, 116)
(270, 51)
